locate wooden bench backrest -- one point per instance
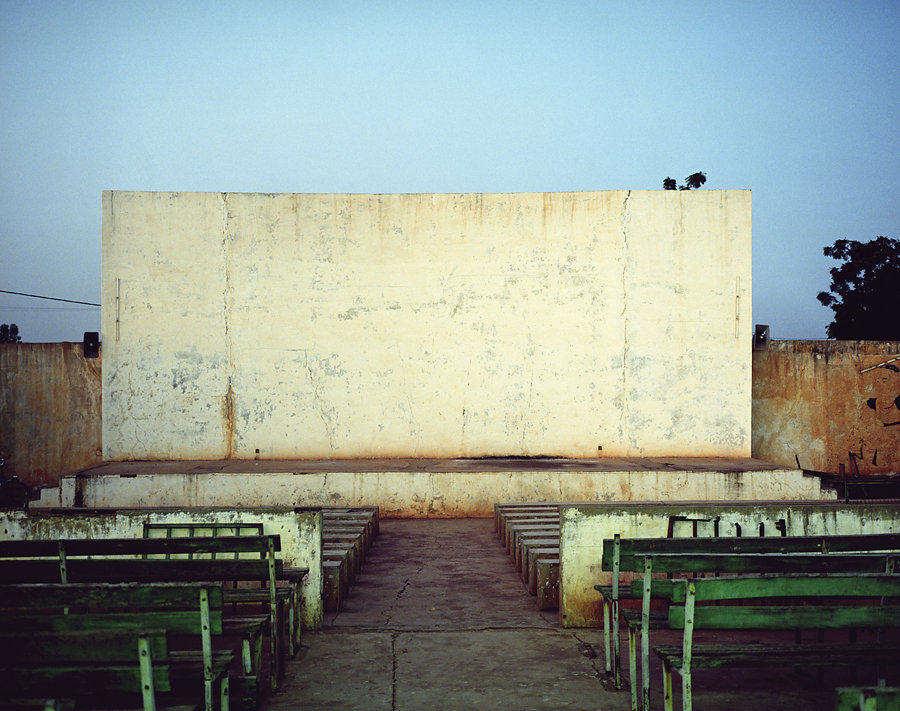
(204, 530)
(79, 663)
(785, 602)
(188, 546)
(123, 570)
(178, 608)
(632, 551)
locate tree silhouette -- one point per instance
(692, 182)
(865, 290)
(695, 180)
(9, 333)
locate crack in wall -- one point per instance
(625, 345)
(316, 385)
(228, 403)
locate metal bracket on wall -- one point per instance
(880, 365)
(117, 309)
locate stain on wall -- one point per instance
(49, 410)
(832, 405)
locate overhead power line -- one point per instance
(49, 298)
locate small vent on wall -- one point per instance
(760, 337)
(91, 344)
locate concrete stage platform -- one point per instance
(421, 488)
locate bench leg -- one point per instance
(632, 667)
(667, 687)
(246, 656)
(146, 665)
(298, 616)
(274, 649)
(257, 655)
(224, 693)
(606, 648)
(288, 609)
(617, 650)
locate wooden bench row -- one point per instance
(240, 560)
(113, 642)
(530, 535)
(347, 536)
(779, 557)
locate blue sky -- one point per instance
(795, 101)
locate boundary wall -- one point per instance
(50, 415)
(832, 405)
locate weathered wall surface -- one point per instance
(423, 494)
(343, 326)
(300, 531)
(49, 410)
(584, 528)
(826, 403)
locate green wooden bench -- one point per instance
(647, 588)
(75, 665)
(164, 560)
(91, 612)
(293, 576)
(781, 602)
(710, 555)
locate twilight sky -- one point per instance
(799, 102)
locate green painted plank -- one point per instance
(717, 656)
(769, 617)
(767, 544)
(177, 622)
(760, 586)
(138, 546)
(136, 570)
(81, 680)
(130, 595)
(764, 562)
(86, 646)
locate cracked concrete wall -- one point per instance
(832, 406)
(344, 326)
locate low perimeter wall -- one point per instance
(300, 531)
(584, 527)
(828, 406)
(49, 410)
(442, 494)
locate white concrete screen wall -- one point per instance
(343, 326)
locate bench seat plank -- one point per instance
(721, 656)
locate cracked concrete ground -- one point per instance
(439, 619)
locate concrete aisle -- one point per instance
(438, 619)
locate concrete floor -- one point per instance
(439, 620)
